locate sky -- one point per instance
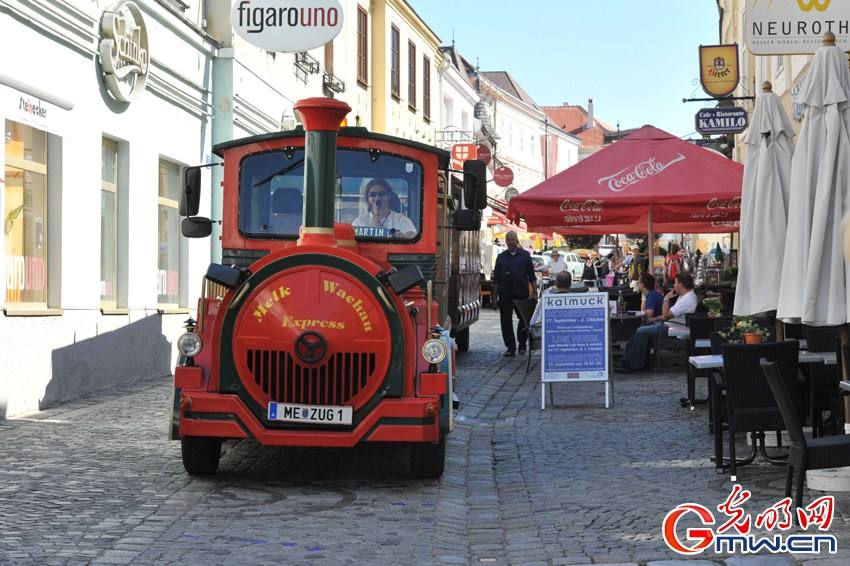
(637, 59)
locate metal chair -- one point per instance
(525, 310)
(815, 454)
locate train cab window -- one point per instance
(381, 196)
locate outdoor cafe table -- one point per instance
(715, 361)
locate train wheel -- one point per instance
(200, 455)
(462, 340)
(428, 460)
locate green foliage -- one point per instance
(743, 325)
(730, 274)
(581, 241)
(713, 304)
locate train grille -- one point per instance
(285, 380)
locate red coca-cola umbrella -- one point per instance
(648, 181)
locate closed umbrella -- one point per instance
(814, 284)
(764, 207)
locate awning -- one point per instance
(647, 177)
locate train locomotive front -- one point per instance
(322, 341)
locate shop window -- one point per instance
(25, 206)
(109, 224)
(168, 257)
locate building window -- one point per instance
(168, 263)
(109, 223)
(362, 46)
(426, 88)
(411, 75)
(395, 67)
(25, 214)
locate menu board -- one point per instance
(575, 337)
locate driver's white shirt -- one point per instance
(393, 221)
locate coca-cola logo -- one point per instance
(633, 174)
(590, 205)
(715, 203)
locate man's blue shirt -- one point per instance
(654, 301)
(513, 273)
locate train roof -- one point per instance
(355, 132)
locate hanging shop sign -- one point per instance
(721, 120)
(484, 153)
(124, 51)
(795, 26)
(463, 152)
(718, 69)
(287, 26)
(503, 176)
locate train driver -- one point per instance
(379, 198)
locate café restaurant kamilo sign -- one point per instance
(721, 120)
(287, 26)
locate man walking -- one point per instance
(512, 275)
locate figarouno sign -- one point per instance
(287, 26)
(124, 55)
(777, 27)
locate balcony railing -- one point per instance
(332, 83)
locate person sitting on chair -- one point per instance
(378, 196)
(637, 350)
(563, 284)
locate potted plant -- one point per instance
(745, 330)
(714, 306)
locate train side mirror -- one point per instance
(467, 220)
(475, 184)
(196, 227)
(190, 200)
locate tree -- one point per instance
(584, 242)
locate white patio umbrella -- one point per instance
(764, 207)
(814, 285)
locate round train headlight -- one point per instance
(189, 344)
(434, 351)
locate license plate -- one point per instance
(314, 414)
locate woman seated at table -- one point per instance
(653, 300)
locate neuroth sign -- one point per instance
(287, 26)
(795, 26)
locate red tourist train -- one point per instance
(346, 257)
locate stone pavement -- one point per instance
(98, 482)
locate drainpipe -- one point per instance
(222, 131)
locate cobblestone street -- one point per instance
(97, 480)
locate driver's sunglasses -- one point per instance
(381, 194)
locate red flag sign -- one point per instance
(462, 152)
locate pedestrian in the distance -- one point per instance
(514, 279)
